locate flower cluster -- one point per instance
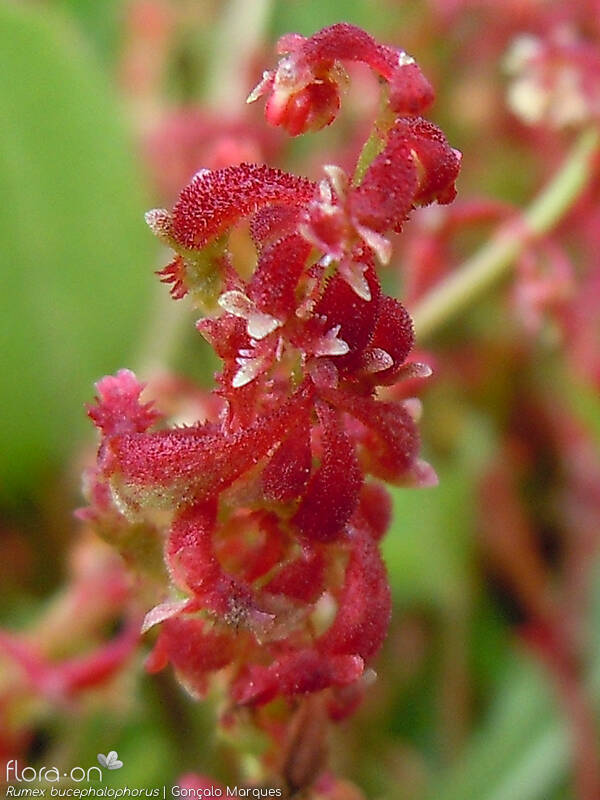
(272, 506)
(304, 91)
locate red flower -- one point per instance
(304, 90)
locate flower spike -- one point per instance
(268, 504)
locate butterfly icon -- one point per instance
(111, 761)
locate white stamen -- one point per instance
(236, 303)
(324, 373)
(414, 407)
(325, 192)
(337, 178)
(248, 371)
(424, 475)
(368, 677)
(259, 324)
(377, 360)
(415, 369)
(162, 612)
(404, 60)
(354, 274)
(377, 242)
(260, 88)
(331, 345)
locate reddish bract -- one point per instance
(215, 200)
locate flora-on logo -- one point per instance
(111, 761)
(16, 773)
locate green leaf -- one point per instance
(77, 259)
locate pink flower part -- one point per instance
(296, 673)
(326, 223)
(251, 545)
(374, 510)
(215, 200)
(193, 564)
(268, 500)
(310, 108)
(410, 92)
(393, 330)
(226, 334)
(304, 91)
(200, 460)
(118, 408)
(277, 273)
(196, 567)
(416, 167)
(174, 273)
(364, 609)
(332, 492)
(394, 336)
(356, 317)
(438, 164)
(390, 443)
(333, 222)
(193, 649)
(386, 195)
(287, 473)
(301, 579)
(271, 223)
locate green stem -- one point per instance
(371, 149)
(377, 138)
(496, 257)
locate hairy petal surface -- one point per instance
(215, 200)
